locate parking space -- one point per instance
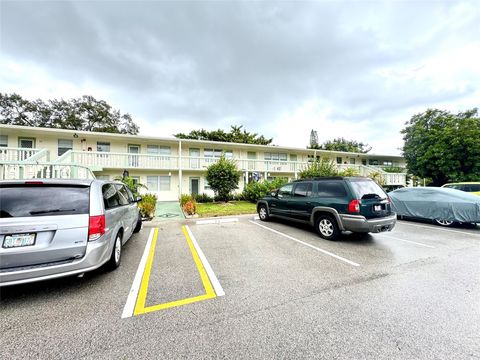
(242, 288)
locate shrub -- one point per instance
(256, 190)
(190, 207)
(184, 198)
(348, 172)
(203, 198)
(377, 177)
(394, 169)
(223, 177)
(132, 184)
(319, 168)
(147, 206)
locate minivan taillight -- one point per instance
(354, 206)
(96, 227)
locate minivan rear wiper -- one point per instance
(49, 211)
(371, 196)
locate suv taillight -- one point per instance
(354, 206)
(96, 227)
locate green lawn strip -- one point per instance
(223, 209)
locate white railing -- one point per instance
(40, 156)
(119, 160)
(9, 154)
(20, 171)
(96, 160)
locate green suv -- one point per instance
(332, 205)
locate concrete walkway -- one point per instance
(168, 210)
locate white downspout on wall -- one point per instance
(180, 179)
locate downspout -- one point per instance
(180, 179)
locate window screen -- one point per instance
(64, 145)
(164, 183)
(152, 183)
(3, 140)
(103, 146)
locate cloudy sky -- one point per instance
(357, 69)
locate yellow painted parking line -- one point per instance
(140, 307)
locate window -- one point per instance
(110, 196)
(25, 200)
(352, 161)
(103, 146)
(339, 160)
(3, 140)
(387, 163)
(285, 191)
(102, 177)
(364, 161)
(64, 145)
(275, 156)
(206, 186)
(152, 183)
(136, 179)
(372, 162)
(122, 195)
(303, 190)
(158, 183)
(165, 150)
(164, 183)
(328, 189)
(364, 187)
(152, 149)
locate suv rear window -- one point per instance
(367, 189)
(43, 200)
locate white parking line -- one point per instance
(133, 294)
(307, 244)
(213, 279)
(216, 221)
(407, 241)
(437, 228)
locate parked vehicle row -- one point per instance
(53, 228)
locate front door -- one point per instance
(26, 143)
(194, 186)
(133, 159)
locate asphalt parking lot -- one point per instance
(250, 289)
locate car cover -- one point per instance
(436, 203)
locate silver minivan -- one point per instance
(52, 228)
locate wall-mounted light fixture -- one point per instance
(75, 135)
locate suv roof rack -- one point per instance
(321, 178)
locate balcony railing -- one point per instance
(10, 154)
(21, 170)
(100, 160)
(119, 160)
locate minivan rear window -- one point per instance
(367, 189)
(43, 200)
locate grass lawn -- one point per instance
(222, 209)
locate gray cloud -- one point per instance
(204, 62)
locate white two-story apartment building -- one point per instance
(166, 165)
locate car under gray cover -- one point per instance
(436, 204)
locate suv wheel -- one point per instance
(263, 213)
(116, 256)
(327, 227)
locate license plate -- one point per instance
(377, 208)
(19, 240)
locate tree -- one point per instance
(313, 139)
(223, 177)
(341, 144)
(85, 113)
(236, 135)
(443, 146)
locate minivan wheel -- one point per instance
(116, 256)
(138, 227)
(444, 222)
(327, 227)
(263, 213)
